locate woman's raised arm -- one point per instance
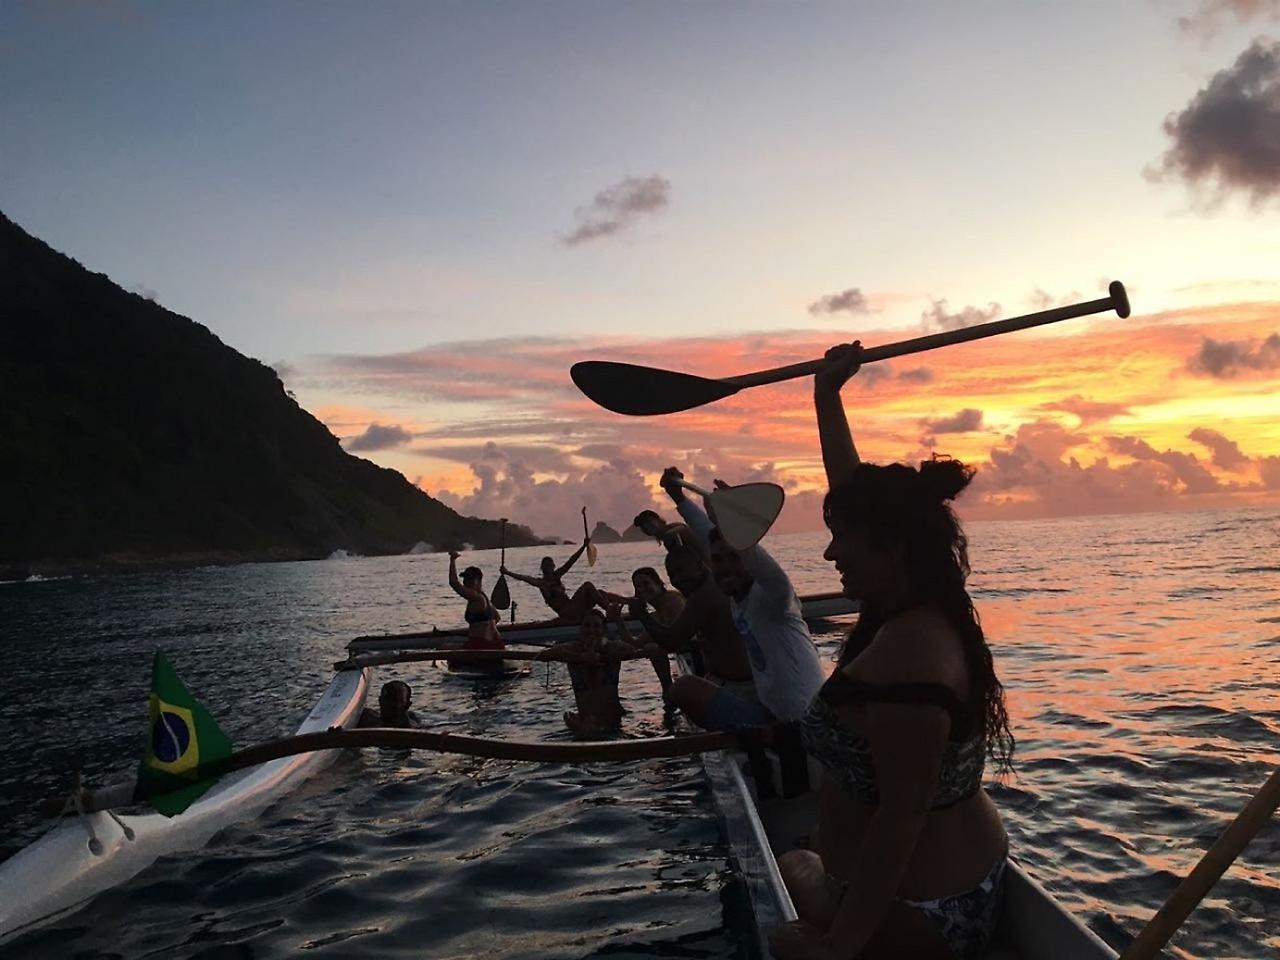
(839, 455)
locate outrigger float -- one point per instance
(93, 852)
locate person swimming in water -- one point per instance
(594, 663)
(480, 614)
(568, 609)
(393, 707)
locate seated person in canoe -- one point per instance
(480, 614)
(909, 855)
(724, 697)
(670, 535)
(666, 604)
(393, 707)
(568, 609)
(594, 662)
(784, 662)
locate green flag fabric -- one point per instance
(181, 735)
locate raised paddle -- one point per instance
(501, 598)
(591, 547)
(645, 391)
(744, 513)
(1212, 865)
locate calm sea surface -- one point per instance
(1141, 654)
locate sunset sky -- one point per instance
(422, 213)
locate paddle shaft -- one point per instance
(587, 752)
(1117, 301)
(1206, 873)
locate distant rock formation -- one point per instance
(634, 534)
(603, 533)
(131, 436)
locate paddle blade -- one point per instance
(591, 554)
(744, 514)
(501, 598)
(645, 391)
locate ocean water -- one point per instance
(1141, 656)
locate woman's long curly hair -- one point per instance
(895, 504)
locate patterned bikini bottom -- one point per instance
(965, 920)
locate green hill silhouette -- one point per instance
(130, 435)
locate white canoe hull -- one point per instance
(60, 872)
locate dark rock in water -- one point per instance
(634, 534)
(603, 533)
(132, 437)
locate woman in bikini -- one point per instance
(568, 609)
(909, 855)
(481, 617)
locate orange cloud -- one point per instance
(1089, 416)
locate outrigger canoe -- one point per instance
(88, 854)
(818, 606)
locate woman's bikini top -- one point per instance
(846, 756)
(554, 593)
(480, 616)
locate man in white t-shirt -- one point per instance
(784, 661)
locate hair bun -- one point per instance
(943, 478)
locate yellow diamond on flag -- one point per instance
(174, 746)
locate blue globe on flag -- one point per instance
(170, 736)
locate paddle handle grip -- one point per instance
(693, 486)
(1117, 299)
(1206, 873)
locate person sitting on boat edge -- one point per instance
(393, 707)
(594, 662)
(480, 613)
(784, 662)
(909, 854)
(667, 604)
(568, 609)
(724, 697)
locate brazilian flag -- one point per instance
(181, 736)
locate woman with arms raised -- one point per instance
(908, 859)
(568, 609)
(481, 617)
